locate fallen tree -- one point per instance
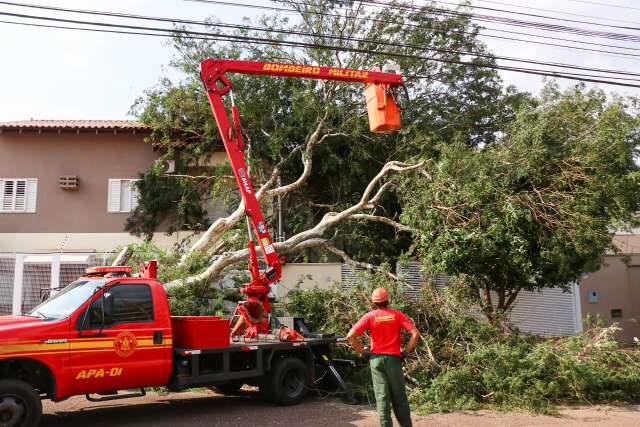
(339, 197)
(464, 362)
(500, 189)
(310, 238)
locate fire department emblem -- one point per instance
(125, 344)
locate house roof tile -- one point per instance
(74, 124)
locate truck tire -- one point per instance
(20, 404)
(287, 382)
(231, 388)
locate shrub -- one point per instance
(466, 363)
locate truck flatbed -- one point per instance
(243, 359)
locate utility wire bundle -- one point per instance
(78, 20)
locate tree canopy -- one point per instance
(279, 114)
(502, 189)
(537, 208)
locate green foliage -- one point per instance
(517, 372)
(535, 208)
(334, 309)
(168, 202)
(477, 364)
(197, 299)
(169, 267)
(280, 114)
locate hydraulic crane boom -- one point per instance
(212, 73)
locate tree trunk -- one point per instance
(487, 306)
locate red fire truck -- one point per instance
(109, 332)
(112, 331)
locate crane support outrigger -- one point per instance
(384, 117)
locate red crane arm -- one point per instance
(212, 73)
(214, 69)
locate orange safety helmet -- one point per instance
(380, 295)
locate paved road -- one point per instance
(199, 409)
(213, 410)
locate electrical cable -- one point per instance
(534, 15)
(227, 37)
(561, 12)
(547, 37)
(289, 32)
(605, 4)
(510, 21)
(295, 11)
(631, 56)
(498, 19)
(272, 42)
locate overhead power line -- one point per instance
(266, 41)
(548, 37)
(272, 42)
(612, 53)
(605, 4)
(511, 22)
(405, 24)
(290, 32)
(559, 12)
(535, 15)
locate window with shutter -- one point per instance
(18, 194)
(122, 195)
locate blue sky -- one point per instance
(56, 74)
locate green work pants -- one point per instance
(388, 386)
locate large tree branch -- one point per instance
(307, 161)
(330, 219)
(307, 238)
(221, 225)
(228, 259)
(346, 258)
(214, 232)
(383, 219)
(123, 256)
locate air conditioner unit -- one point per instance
(68, 182)
(167, 166)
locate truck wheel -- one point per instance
(230, 388)
(287, 382)
(20, 405)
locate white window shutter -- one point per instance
(3, 198)
(20, 195)
(8, 190)
(32, 194)
(113, 202)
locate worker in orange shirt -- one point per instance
(385, 359)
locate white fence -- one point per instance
(25, 278)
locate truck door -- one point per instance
(131, 348)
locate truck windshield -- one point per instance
(67, 301)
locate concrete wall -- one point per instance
(79, 242)
(312, 275)
(617, 287)
(94, 158)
